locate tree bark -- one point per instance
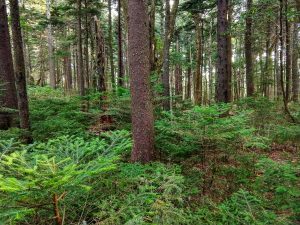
(80, 74)
(295, 67)
(139, 65)
(20, 74)
(8, 95)
(223, 79)
(110, 46)
(50, 46)
(248, 50)
(170, 18)
(198, 71)
(120, 47)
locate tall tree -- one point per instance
(120, 47)
(110, 45)
(295, 67)
(170, 19)
(198, 74)
(50, 46)
(223, 88)
(139, 66)
(20, 75)
(80, 73)
(8, 95)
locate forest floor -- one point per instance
(241, 168)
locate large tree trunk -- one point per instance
(248, 50)
(295, 67)
(8, 95)
(139, 64)
(80, 74)
(50, 47)
(222, 81)
(198, 74)
(110, 46)
(120, 47)
(20, 74)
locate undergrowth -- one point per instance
(221, 164)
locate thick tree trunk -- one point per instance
(20, 74)
(139, 64)
(223, 76)
(8, 95)
(248, 50)
(50, 47)
(198, 70)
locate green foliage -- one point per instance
(204, 127)
(144, 194)
(53, 114)
(241, 208)
(66, 167)
(279, 183)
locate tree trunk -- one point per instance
(50, 47)
(295, 67)
(222, 81)
(139, 64)
(248, 50)
(152, 34)
(120, 47)
(110, 46)
(170, 18)
(198, 74)
(8, 95)
(288, 63)
(20, 74)
(80, 74)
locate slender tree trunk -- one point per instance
(20, 74)
(170, 18)
(50, 47)
(152, 34)
(86, 47)
(189, 73)
(178, 72)
(295, 67)
(288, 63)
(248, 50)
(198, 71)
(110, 46)
(8, 95)
(120, 47)
(80, 74)
(139, 64)
(222, 81)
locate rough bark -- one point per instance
(178, 72)
(139, 64)
(20, 74)
(222, 80)
(50, 46)
(288, 63)
(152, 33)
(248, 50)
(8, 95)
